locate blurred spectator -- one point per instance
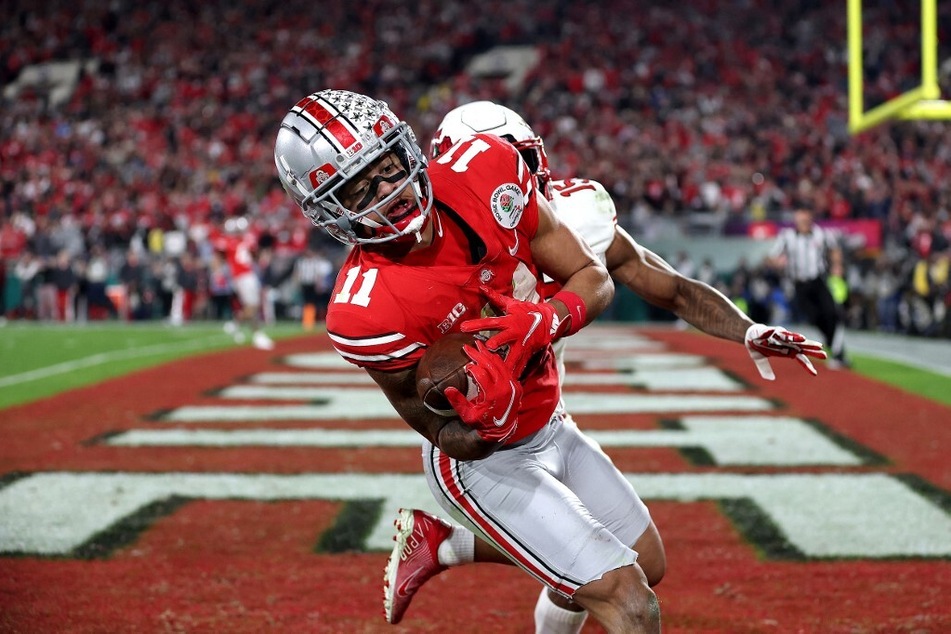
(885, 290)
(219, 288)
(187, 287)
(707, 272)
(27, 271)
(65, 282)
(685, 264)
(135, 277)
(96, 273)
(165, 273)
(46, 290)
(927, 293)
(168, 115)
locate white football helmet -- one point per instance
(492, 118)
(326, 140)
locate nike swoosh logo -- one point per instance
(402, 590)
(537, 319)
(514, 250)
(501, 421)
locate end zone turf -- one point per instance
(290, 536)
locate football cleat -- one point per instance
(261, 341)
(414, 559)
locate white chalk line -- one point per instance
(106, 357)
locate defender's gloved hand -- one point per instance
(493, 412)
(774, 341)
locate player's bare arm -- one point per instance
(559, 252)
(651, 277)
(703, 307)
(451, 435)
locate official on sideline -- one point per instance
(808, 252)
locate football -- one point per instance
(441, 366)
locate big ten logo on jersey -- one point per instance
(457, 311)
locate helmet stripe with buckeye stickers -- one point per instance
(326, 118)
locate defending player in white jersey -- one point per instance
(426, 545)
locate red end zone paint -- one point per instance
(243, 566)
(910, 431)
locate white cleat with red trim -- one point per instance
(414, 559)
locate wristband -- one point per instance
(577, 313)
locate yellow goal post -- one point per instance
(923, 102)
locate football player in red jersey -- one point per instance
(439, 245)
(587, 208)
(238, 245)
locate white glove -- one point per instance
(774, 341)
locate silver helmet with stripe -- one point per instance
(333, 152)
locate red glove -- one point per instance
(774, 341)
(493, 412)
(525, 327)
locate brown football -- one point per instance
(441, 366)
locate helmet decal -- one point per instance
(321, 175)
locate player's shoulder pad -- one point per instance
(584, 194)
(487, 168)
(586, 206)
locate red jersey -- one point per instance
(384, 312)
(238, 250)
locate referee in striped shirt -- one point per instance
(807, 251)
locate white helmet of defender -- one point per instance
(492, 118)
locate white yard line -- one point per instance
(106, 357)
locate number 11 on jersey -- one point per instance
(362, 296)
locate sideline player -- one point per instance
(433, 246)
(238, 243)
(588, 209)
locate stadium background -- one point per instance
(138, 127)
(143, 127)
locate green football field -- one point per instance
(39, 360)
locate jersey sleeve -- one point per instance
(390, 351)
(485, 170)
(366, 323)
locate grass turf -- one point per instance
(915, 380)
(40, 360)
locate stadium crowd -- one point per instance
(131, 132)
